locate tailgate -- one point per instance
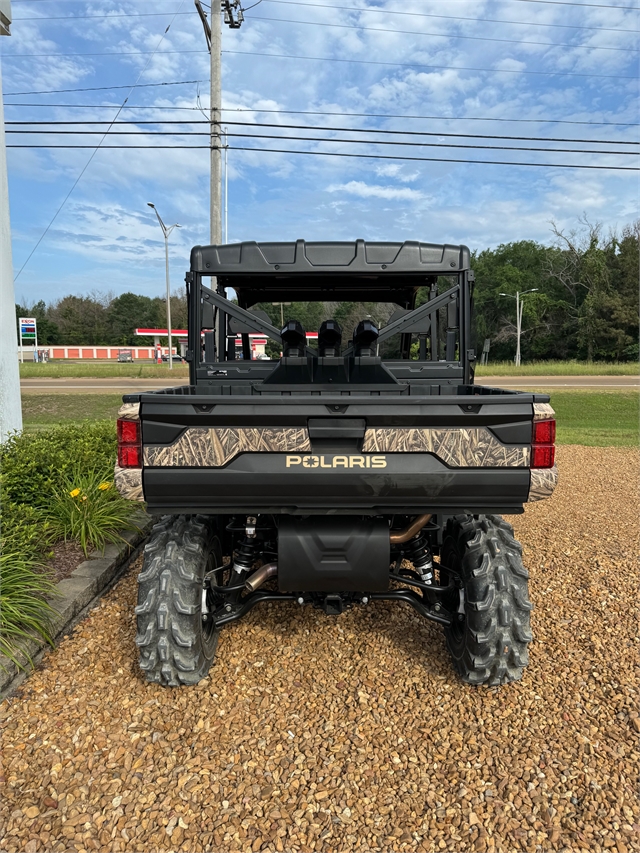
(346, 455)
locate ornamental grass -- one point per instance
(87, 508)
(25, 614)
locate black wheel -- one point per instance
(176, 634)
(490, 633)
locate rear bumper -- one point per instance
(262, 482)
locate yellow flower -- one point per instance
(75, 493)
(84, 497)
(104, 486)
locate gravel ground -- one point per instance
(353, 734)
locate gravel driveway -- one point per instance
(352, 733)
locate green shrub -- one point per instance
(24, 612)
(33, 463)
(24, 530)
(87, 508)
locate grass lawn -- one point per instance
(597, 418)
(594, 418)
(40, 411)
(101, 370)
(558, 368)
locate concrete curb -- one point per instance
(78, 593)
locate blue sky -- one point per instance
(465, 67)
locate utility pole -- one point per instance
(233, 17)
(10, 405)
(226, 186)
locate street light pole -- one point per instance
(519, 307)
(166, 231)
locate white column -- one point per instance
(10, 404)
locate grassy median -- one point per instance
(593, 418)
(558, 368)
(102, 370)
(41, 411)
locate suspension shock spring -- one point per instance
(246, 555)
(418, 552)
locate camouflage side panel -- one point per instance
(542, 411)
(129, 412)
(457, 447)
(213, 448)
(543, 482)
(129, 482)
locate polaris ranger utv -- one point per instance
(367, 468)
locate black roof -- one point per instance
(328, 270)
(251, 258)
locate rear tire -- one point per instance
(176, 636)
(490, 633)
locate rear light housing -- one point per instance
(543, 451)
(129, 444)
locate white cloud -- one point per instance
(395, 170)
(363, 190)
(104, 233)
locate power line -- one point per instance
(435, 159)
(450, 17)
(95, 151)
(116, 15)
(433, 67)
(333, 140)
(105, 107)
(430, 118)
(345, 154)
(332, 113)
(551, 2)
(346, 9)
(452, 36)
(102, 88)
(582, 5)
(319, 59)
(325, 128)
(101, 53)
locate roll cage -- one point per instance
(331, 271)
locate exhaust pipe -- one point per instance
(261, 576)
(400, 536)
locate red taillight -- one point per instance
(543, 452)
(129, 456)
(129, 444)
(544, 432)
(543, 456)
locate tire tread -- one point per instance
(493, 647)
(171, 647)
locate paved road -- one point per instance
(122, 385)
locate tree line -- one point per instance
(582, 302)
(103, 319)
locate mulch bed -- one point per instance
(67, 556)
